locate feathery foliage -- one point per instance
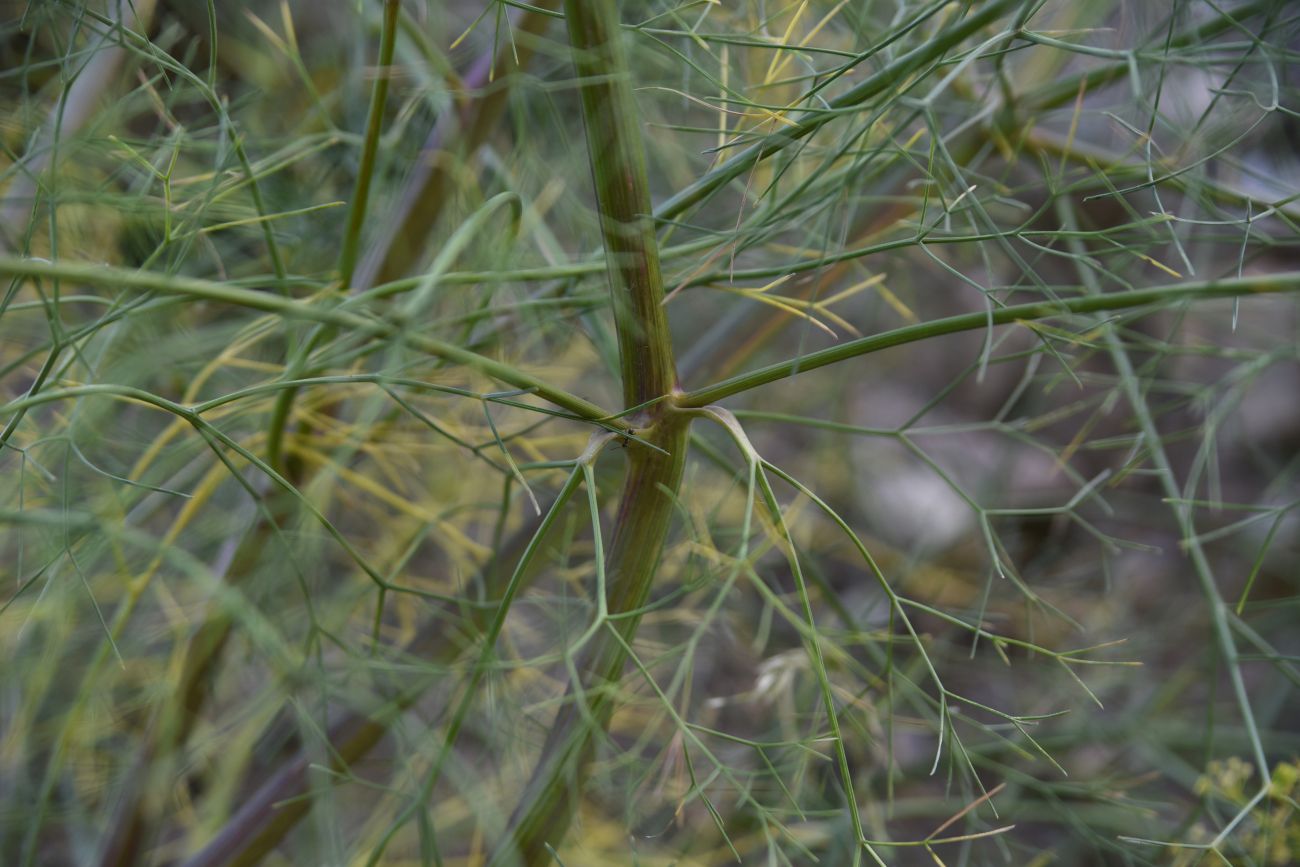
(649, 433)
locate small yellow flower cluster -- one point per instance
(1271, 833)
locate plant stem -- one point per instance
(1262, 284)
(618, 170)
(137, 819)
(453, 141)
(892, 75)
(370, 147)
(284, 795)
(547, 805)
(1063, 90)
(68, 115)
(140, 281)
(297, 365)
(648, 372)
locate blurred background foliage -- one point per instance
(1088, 521)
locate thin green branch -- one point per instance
(1230, 288)
(1217, 607)
(488, 649)
(297, 364)
(124, 279)
(892, 75)
(453, 141)
(374, 124)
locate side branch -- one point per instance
(1271, 283)
(125, 279)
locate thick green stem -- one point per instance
(618, 170)
(548, 803)
(648, 372)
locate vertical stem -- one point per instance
(618, 169)
(645, 511)
(374, 124)
(451, 145)
(283, 407)
(648, 372)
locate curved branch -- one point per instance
(207, 290)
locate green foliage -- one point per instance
(652, 433)
(1269, 832)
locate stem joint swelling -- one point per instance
(649, 377)
(648, 502)
(646, 425)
